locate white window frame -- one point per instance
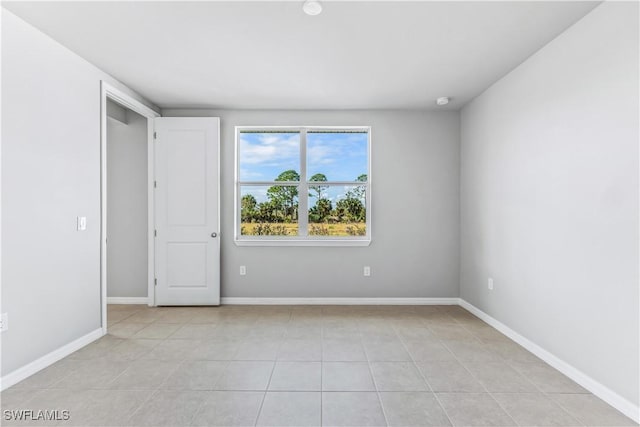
(303, 189)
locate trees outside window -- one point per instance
(303, 184)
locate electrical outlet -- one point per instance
(367, 271)
(490, 284)
(4, 322)
(243, 270)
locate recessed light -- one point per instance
(443, 100)
(312, 7)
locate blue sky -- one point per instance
(263, 156)
(339, 156)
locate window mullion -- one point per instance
(303, 190)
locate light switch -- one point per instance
(82, 223)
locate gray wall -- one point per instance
(549, 198)
(415, 197)
(127, 217)
(50, 175)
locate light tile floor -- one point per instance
(305, 366)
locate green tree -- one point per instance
(360, 190)
(320, 211)
(319, 177)
(350, 208)
(248, 208)
(285, 197)
(267, 212)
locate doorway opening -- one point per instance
(127, 218)
(127, 204)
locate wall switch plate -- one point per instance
(82, 223)
(4, 322)
(490, 284)
(367, 271)
(243, 270)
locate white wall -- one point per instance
(549, 198)
(127, 214)
(50, 175)
(415, 196)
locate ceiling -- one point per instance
(270, 55)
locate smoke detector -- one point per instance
(443, 100)
(312, 7)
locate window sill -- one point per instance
(305, 242)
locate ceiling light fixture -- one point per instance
(443, 100)
(312, 7)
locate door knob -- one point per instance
(214, 234)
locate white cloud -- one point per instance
(269, 150)
(247, 174)
(336, 153)
(323, 154)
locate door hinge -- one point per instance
(155, 135)
(155, 233)
(155, 184)
(155, 282)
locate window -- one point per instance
(303, 186)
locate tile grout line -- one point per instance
(373, 378)
(156, 390)
(198, 411)
(149, 398)
(559, 405)
(273, 368)
(508, 363)
(539, 390)
(479, 382)
(435, 395)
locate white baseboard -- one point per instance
(48, 359)
(338, 301)
(128, 300)
(612, 398)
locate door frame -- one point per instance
(108, 91)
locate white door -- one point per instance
(187, 244)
